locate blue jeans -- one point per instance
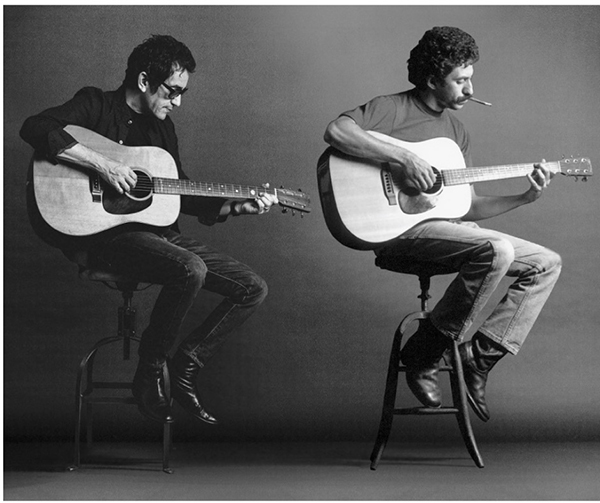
(183, 266)
(482, 258)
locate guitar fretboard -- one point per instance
(206, 189)
(472, 175)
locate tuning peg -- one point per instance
(284, 210)
(584, 179)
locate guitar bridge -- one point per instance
(388, 187)
(96, 188)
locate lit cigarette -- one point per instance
(481, 102)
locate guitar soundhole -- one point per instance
(437, 186)
(134, 201)
(143, 187)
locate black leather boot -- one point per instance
(148, 391)
(421, 355)
(184, 372)
(478, 356)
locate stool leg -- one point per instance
(389, 401)
(460, 400)
(166, 447)
(77, 444)
(80, 409)
(167, 438)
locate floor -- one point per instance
(306, 471)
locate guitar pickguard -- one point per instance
(422, 202)
(118, 204)
(413, 201)
(138, 199)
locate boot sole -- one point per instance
(476, 409)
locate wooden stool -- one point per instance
(459, 407)
(87, 385)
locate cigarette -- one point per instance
(481, 102)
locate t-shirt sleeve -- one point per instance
(378, 114)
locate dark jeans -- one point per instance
(183, 266)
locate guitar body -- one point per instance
(73, 202)
(365, 208)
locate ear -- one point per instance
(431, 83)
(143, 83)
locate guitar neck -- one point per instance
(472, 175)
(174, 186)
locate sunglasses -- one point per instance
(174, 92)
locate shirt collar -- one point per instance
(423, 106)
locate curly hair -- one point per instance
(157, 56)
(441, 49)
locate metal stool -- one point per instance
(86, 384)
(459, 407)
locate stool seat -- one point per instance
(415, 267)
(122, 281)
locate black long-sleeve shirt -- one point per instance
(108, 114)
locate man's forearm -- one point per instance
(345, 135)
(484, 207)
(84, 156)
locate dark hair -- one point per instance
(440, 51)
(158, 56)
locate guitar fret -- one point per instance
(472, 175)
(208, 189)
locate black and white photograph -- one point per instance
(301, 252)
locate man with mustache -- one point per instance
(441, 69)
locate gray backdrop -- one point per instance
(311, 364)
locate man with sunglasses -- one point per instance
(137, 114)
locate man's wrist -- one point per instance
(236, 208)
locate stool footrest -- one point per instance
(111, 399)
(425, 411)
(112, 385)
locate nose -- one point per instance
(468, 90)
(176, 101)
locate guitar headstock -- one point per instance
(579, 167)
(294, 200)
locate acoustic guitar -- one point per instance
(365, 207)
(75, 202)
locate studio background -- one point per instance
(311, 363)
